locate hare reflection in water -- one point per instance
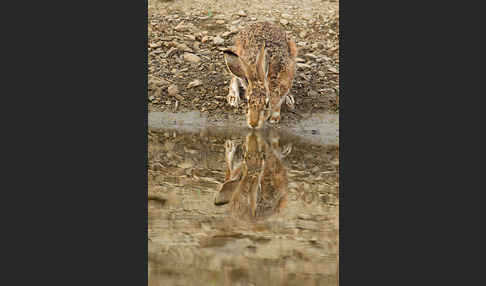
(255, 187)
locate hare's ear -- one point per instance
(226, 192)
(263, 63)
(234, 64)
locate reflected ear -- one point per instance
(234, 64)
(226, 192)
(263, 63)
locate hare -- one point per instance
(262, 60)
(256, 187)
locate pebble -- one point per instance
(311, 56)
(218, 40)
(180, 27)
(286, 16)
(190, 37)
(191, 58)
(183, 47)
(302, 65)
(194, 83)
(332, 69)
(284, 22)
(303, 33)
(242, 13)
(172, 90)
(312, 93)
(219, 22)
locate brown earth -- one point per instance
(186, 69)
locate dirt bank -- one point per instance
(186, 67)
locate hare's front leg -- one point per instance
(234, 93)
(275, 110)
(233, 170)
(229, 152)
(290, 101)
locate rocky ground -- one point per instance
(186, 68)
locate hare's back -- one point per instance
(249, 41)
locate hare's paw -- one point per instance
(286, 149)
(230, 147)
(234, 93)
(290, 101)
(233, 99)
(274, 117)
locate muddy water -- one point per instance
(192, 241)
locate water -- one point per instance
(192, 241)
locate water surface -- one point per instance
(192, 241)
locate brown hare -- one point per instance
(256, 187)
(262, 60)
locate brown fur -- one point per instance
(264, 57)
(257, 187)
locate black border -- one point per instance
(75, 195)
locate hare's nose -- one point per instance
(274, 118)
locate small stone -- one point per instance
(313, 93)
(225, 34)
(155, 45)
(286, 16)
(191, 58)
(301, 44)
(300, 60)
(333, 69)
(321, 73)
(196, 46)
(183, 47)
(219, 22)
(242, 13)
(190, 37)
(204, 39)
(218, 40)
(194, 83)
(303, 33)
(180, 27)
(151, 97)
(172, 90)
(171, 52)
(284, 22)
(302, 65)
(311, 56)
(236, 22)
